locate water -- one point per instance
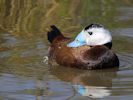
(23, 45)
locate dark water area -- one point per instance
(23, 46)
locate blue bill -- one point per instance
(79, 41)
(75, 44)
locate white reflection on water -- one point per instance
(92, 91)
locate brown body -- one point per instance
(84, 57)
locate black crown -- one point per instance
(93, 26)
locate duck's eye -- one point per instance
(90, 33)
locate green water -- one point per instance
(23, 45)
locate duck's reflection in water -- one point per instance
(92, 91)
(94, 83)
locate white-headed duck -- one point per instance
(91, 49)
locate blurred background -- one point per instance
(23, 45)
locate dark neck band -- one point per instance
(108, 45)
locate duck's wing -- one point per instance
(100, 57)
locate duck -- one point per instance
(91, 48)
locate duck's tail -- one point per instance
(54, 33)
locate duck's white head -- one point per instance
(94, 34)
